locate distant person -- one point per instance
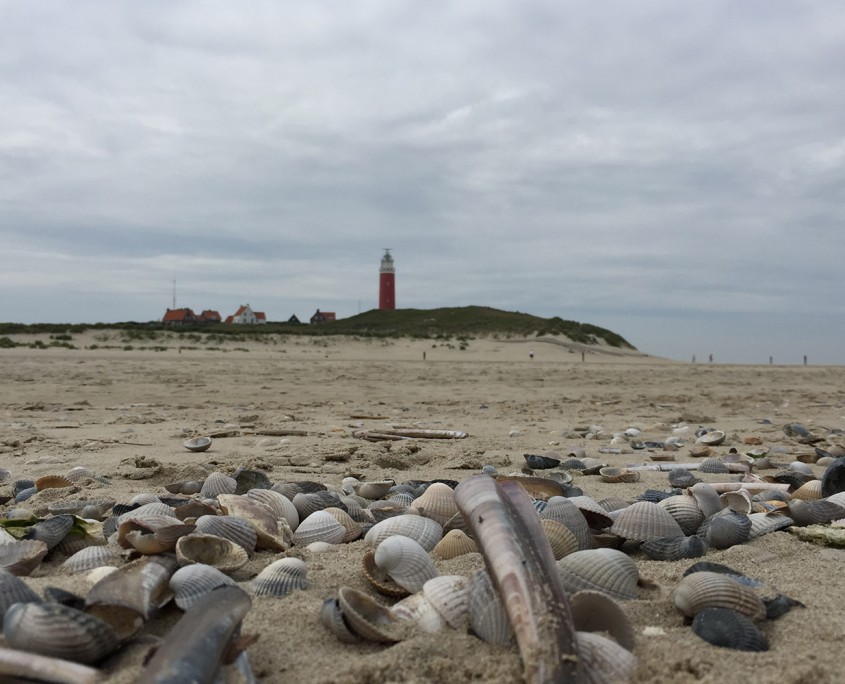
(693, 358)
(531, 355)
(423, 356)
(710, 358)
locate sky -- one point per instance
(672, 171)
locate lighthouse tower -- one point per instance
(387, 282)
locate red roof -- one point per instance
(260, 315)
(210, 315)
(229, 319)
(178, 316)
(240, 310)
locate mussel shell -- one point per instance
(729, 629)
(58, 631)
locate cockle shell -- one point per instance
(93, 557)
(613, 474)
(151, 534)
(809, 491)
(218, 483)
(712, 438)
(456, 543)
(331, 616)
(229, 527)
(272, 533)
(725, 529)
(682, 478)
(358, 512)
(701, 590)
(150, 508)
(685, 511)
(319, 526)
(187, 487)
(309, 503)
(645, 521)
(52, 629)
(407, 563)
(561, 539)
(729, 629)
(208, 549)
(569, 515)
(22, 557)
(596, 516)
(763, 523)
(380, 580)
(281, 506)
(369, 619)
(281, 577)
(373, 490)
(424, 531)
(437, 503)
(814, 512)
(14, 590)
(487, 615)
(52, 482)
(593, 611)
(608, 571)
(353, 529)
(419, 612)
(197, 444)
(51, 531)
(190, 583)
(604, 659)
(448, 595)
(707, 498)
(675, 548)
(386, 508)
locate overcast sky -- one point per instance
(673, 171)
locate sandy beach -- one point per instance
(126, 413)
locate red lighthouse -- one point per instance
(387, 282)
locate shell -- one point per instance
(725, 529)
(281, 506)
(424, 531)
(608, 571)
(569, 515)
(197, 444)
(712, 438)
(675, 548)
(612, 474)
(833, 480)
(144, 498)
(814, 512)
(384, 509)
(22, 557)
(152, 534)
(281, 578)
(613, 503)
(306, 504)
(809, 491)
(738, 501)
(248, 479)
(455, 543)
(150, 508)
(373, 490)
(487, 615)
(352, 528)
(52, 482)
(14, 590)
(685, 511)
(356, 511)
(682, 478)
(319, 526)
(437, 503)
(228, 527)
(367, 618)
(729, 629)
(604, 659)
(216, 484)
(380, 580)
(185, 487)
(58, 631)
(448, 595)
(595, 514)
(93, 557)
(407, 563)
(713, 465)
(561, 539)
(593, 611)
(701, 590)
(707, 498)
(190, 583)
(332, 618)
(51, 531)
(272, 533)
(763, 523)
(417, 611)
(645, 521)
(208, 549)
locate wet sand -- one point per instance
(125, 415)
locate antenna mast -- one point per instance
(174, 294)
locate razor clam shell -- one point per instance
(190, 583)
(645, 521)
(367, 618)
(51, 531)
(675, 548)
(437, 502)
(685, 511)
(725, 529)
(93, 557)
(14, 590)
(729, 629)
(228, 527)
(319, 526)
(22, 557)
(487, 615)
(281, 578)
(701, 590)
(608, 571)
(593, 611)
(424, 531)
(569, 515)
(208, 549)
(281, 506)
(353, 529)
(602, 660)
(456, 543)
(407, 563)
(218, 483)
(28, 666)
(448, 595)
(54, 630)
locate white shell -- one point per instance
(448, 595)
(437, 502)
(420, 611)
(319, 526)
(192, 582)
(407, 563)
(281, 577)
(93, 557)
(278, 503)
(422, 530)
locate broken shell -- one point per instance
(456, 543)
(208, 549)
(228, 527)
(272, 533)
(645, 521)
(52, 629)
(712, 438)
(424, 531)
(596, 516)
(729, 629)
(407, 563)
(319, 526)
(281, 577)
(218, 483)
(437, 503)
(612, 474)
(707, 498)
(197, 444)
(608, 571)
(675, 548)
(701, 590)
(190, 583)
(738, 501)
(22, 557)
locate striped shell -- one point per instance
(674, 548)
(713, 465)
(437, 502)
(14, 590)
(568, 514)
(377, 577)
(22, 557)
(272, 533)
(424, 531)
(454, 543)
(725, 529)
(149, 508)
(216, 484)
(309, 503)
(608, 571)
(319, 526)
(352, 528)
(228, 527)
(58, 631)
(419, 613)
(809, 491)
(407, 563)
(596, 516)
(93, 557)
(814, 512)
(281, 506)
(190, 583)
(729, 629)
(51, 531)
(561, 539)
(52, 482)
(448, 595)
(208, 549)
(700, 590)
(593, 611)
(645, 521)
(373, 490)
(712, 438)
(281, 578)
(685, 511)
(763, 523)
(487, 615)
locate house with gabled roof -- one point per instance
(246, 316)
(323, 317)
(177, 317)
(210, 316)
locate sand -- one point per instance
(125, 414)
